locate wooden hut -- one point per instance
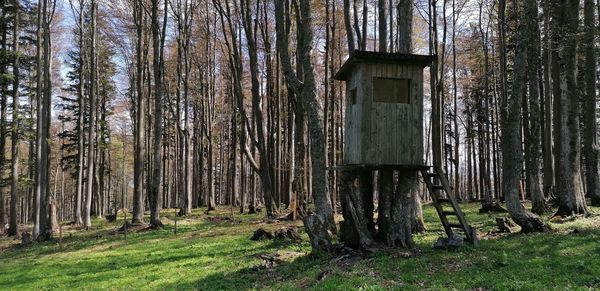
(384, 132)
(384, 109)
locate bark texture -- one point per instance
(511, 132)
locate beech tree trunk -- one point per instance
(140, 122)
(305, 88)
(591, 146)
(92, 121)
(533, 144)
(14, 186)
(569, 188)
(154, 193)
(511, 132)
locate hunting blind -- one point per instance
(384, 131)
(384, 108)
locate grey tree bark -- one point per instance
(3, 109)
(348, 26)
(534, 143)
(92, 122)
(78, 219)
(381, 6)
(305, 88)
(511, 132)
(14, 186)
(140, 122)
(569, 188)
(41, 168)
(154, 193)
(591, 146)
(547, 107)
(405, 185)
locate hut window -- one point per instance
(352, 96)
(391, 90)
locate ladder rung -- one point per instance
(443, 200)
(449, 213)
(455, 225)
(437, 187)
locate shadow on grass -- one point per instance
(533, 261)
(303, 270)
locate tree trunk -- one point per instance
(405, 31)
(547, 107)
(154, 195)
(306, 90)
(381, 4)
(533, 145)
(3, 111)
(591, 146)
(140, 122)
(511, 133)
(92, 122)
(567, 138)
(14, 189)
(348, 26)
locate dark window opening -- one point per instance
(352, 96)
(391, 90)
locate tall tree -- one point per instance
(80, 120)
(92, 121)
(40, 166)
(348, 26)
(591, 146)
(154, 193)
(381, 6)
(569, 188)
(510, 124)
(14, 186)
(304, 87)
(3, 103)
(533, 143)
(140, 116)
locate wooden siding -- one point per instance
(384, 133)
(352, 144)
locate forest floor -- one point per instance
(215, 252)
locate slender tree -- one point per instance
(533, 143)
(140, 117)
(14, 186)
(154, 193)
(92, 119)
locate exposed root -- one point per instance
(156, 225)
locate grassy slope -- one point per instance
(218, 255)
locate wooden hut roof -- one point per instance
(357, 57)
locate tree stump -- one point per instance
(261, 234)
(355, 231)
(288, 233)
(395, 208)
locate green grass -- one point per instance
(207, 254)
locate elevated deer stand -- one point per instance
(384, 133)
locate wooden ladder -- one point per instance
(439, 200)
